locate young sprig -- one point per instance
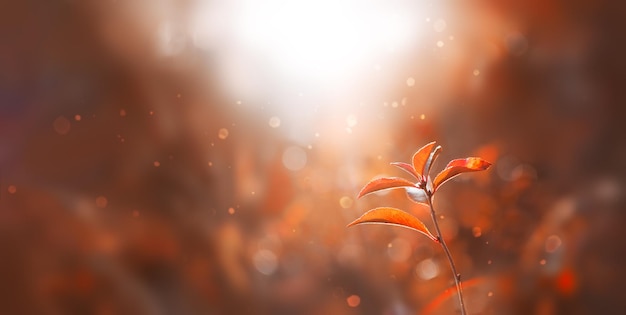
(421, 191)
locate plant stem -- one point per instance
(457, 276)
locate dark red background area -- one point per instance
(118, 196)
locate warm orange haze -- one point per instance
(206, 157)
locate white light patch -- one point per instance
(427, 269)
(351, 120)
(328, 41)
(274, 122)
(307, 57)
(440, 25)
(265, 262)
(294, 158)
(323, 37)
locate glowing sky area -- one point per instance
(321, 39)
(319, 42)
(301, 57)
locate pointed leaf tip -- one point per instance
(393, 216)
(431, 159)
(384, 183)
(421, 157)
(458, 166)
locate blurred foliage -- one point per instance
(131, 183)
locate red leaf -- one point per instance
(456, 167)
(407, 168)
(420, 158)
(384, 183)
(393, 216)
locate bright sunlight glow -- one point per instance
(323, 38)
(295, 58)
(314, 41)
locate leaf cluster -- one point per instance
(420, 191)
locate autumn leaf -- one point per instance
(430, 161)
(384, 183)
(420, 192)
(458, 166)
(407, 168)
(421, 157)
(393, 216)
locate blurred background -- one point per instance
(203, 157)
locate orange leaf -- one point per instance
(407, 168)
(393, 216)
(431, 159)
(456, 167)
(384, 183)
(420, 158)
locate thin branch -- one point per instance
(457, 276)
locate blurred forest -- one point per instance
(153, 160)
